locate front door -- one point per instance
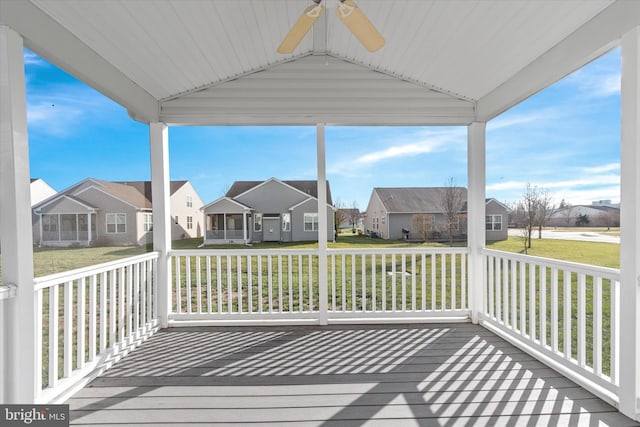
(270, 229)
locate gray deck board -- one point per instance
(422, 375)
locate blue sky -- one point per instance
(565, 139)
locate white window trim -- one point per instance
(189, 223)
(115, 217)
(147, 222)
(314, 224)
(286, 225)
(491, 219)
(257, 220)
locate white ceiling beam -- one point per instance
(587, 43)
(53, 42)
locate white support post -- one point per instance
(476, 147)
(244, 226)
(322, 225)
(89, 228)
(629, 368)
(17, 314)
(160, 192)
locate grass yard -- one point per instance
(54, 260)
(592, 253)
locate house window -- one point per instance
(50, 223)
(147, 222)
(494, 222)
(189, 223)
(116, 223)
(189, 202)
(257, 222)
(286, 222)
(311, 222)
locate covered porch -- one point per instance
(227, 222)
(379, 375)
(581, 322)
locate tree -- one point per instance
(533, 210)
(544, 209)
(354, 215)
(583, 219)
(422, 224)
(341, 214)
(520, 217)
(451, 201)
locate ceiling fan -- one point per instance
(348, 12)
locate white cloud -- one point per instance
(515, 120)
(31, 58)
(604, 168)
(600, 79)
(408, 145)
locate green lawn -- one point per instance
(593, 253)
(54, 260)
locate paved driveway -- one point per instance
(585, 236)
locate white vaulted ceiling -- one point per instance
(215, 61)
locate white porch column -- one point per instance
(89, 228)
(629, 370)
(244, 226)
(17, 314)
(476, 147)
(322, 225)
(160, 192)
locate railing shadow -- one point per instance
(456, 374)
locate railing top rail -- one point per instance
(234, 252)
(392, 250)
(66, 276)
(609, 273)
(276, 251)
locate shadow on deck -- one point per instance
(422, 375)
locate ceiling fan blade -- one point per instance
(358, 23)
(300, 28)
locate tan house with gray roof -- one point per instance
(98, 212)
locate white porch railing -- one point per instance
(87, 318)
(211, 286)
(566, 313)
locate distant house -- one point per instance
(414, 213)
(594, 215)
(97, 212)
(266, 211)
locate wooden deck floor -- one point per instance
(422, 375)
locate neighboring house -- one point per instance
(415, 214)
(266, 211)
(97, 212)
(496, 218)
(598, 215)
